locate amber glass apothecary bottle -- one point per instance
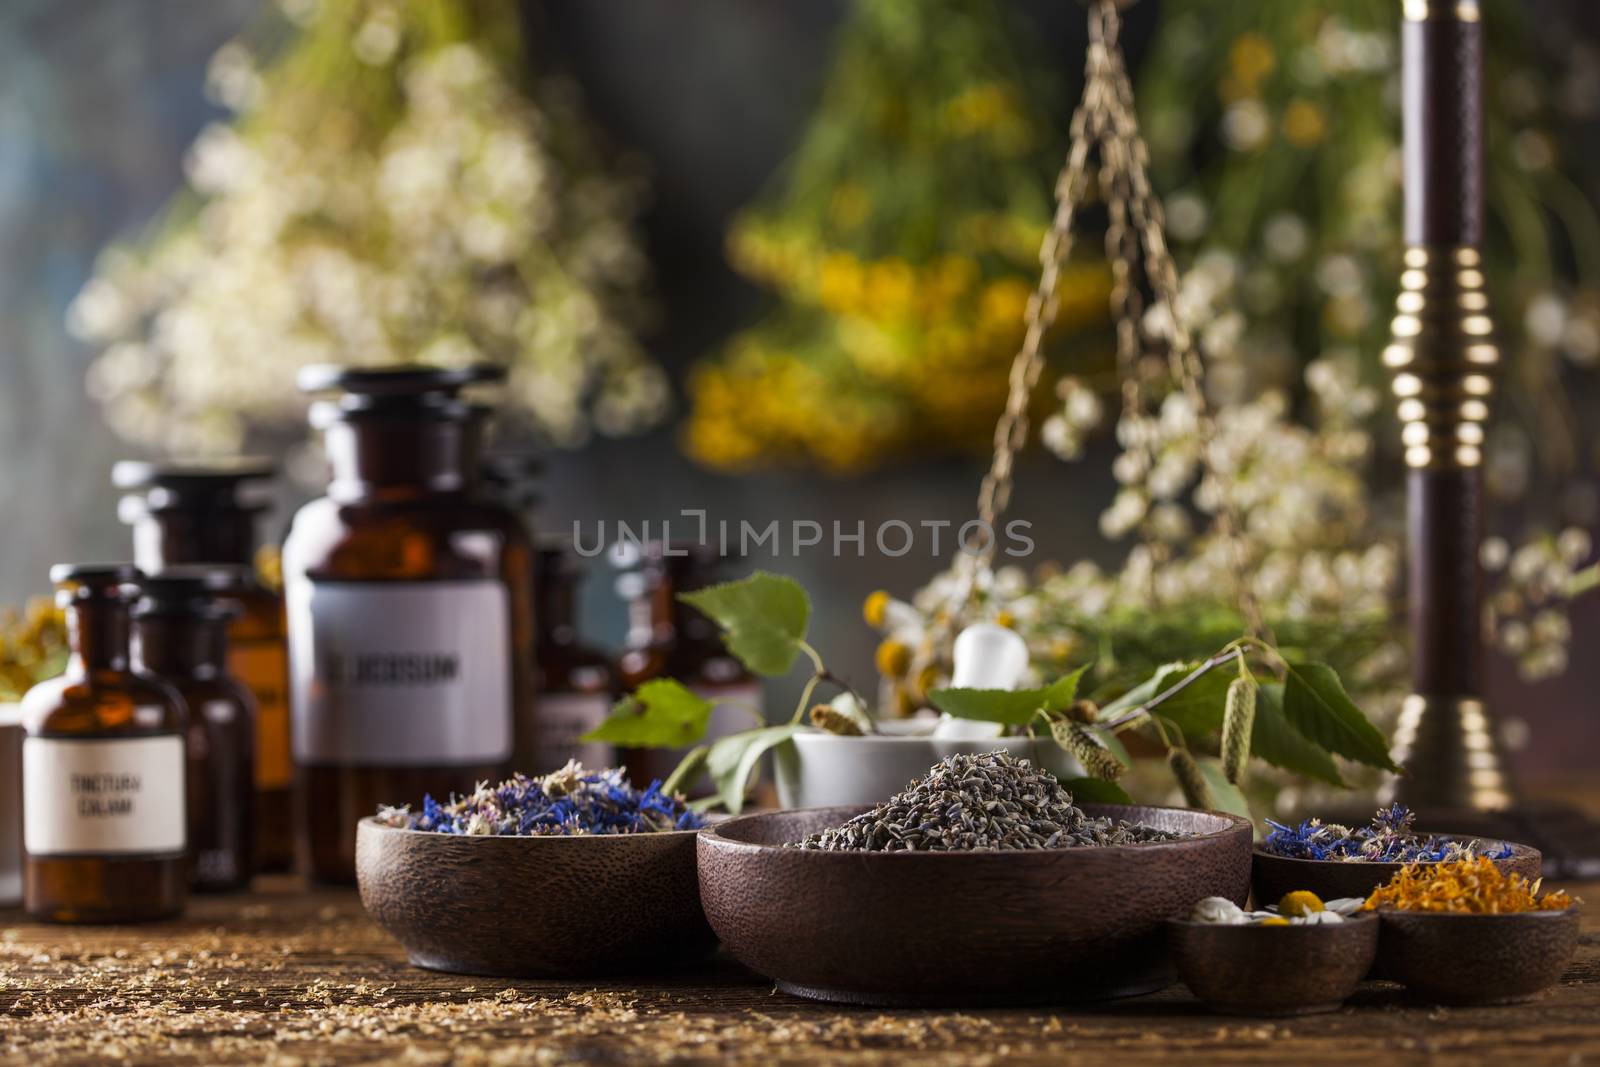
(669, 639)
(575, 681)
(180, 635)
(190, 513)
(102, 770)
(409, 604)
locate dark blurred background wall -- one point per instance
(100, 98)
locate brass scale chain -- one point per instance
(1105, 118)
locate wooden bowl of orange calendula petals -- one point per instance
(1469, 933)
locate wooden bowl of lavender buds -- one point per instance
(576, 874)
(1336, 861)
(981, 883)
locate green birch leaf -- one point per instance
(1281, 745)
(763, 619)
(1059, 694)
(1315, 703)
(1196, 708)
(1137, 695)
(1229, 797)
(1095, 791)
(661, 713)
(1013, 707)
(732, 759)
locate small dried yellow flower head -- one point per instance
(876, 609)
(1299, 904)
(1304, 124)
(269, 566)
(1006, 619)
(1062, 647)
(928, 679)
(893, 658)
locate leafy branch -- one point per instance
(1298, 720)
(764, 619)
(1297, 724)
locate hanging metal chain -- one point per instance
(1088, 126)
(1106, 119)
(1183, 355)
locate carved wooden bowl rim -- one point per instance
(715, 836)
(1549, 914)
(372, 823)
(1518, 852)
(1355, 919)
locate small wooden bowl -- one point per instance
(534, 907)
(1273, 970)
(1449, 958)
(922, 929)
(1272, 876)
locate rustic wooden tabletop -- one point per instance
(286, 975)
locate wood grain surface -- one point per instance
(291, 976)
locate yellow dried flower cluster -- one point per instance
(1474, 886)
(904, 245)
(33, 646)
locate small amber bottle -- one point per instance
(410, 606)
(669, 639)
(102, 770)
(206, 513)
(575, 682)
(180, 634)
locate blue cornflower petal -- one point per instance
(592, 802)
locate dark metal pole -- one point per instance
(1443, 359)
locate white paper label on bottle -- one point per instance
(400, 673)
(560, 719)
(99, 796)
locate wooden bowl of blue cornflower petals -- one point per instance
(1336, 861)
(575, 874)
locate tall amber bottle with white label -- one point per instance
(180, 634)
(102, 770)
(205, 512)
(409, 606)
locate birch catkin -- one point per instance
(1238, 720)
(829, 718)
(1097, 759)
(1196, 790)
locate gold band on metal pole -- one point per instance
(1443, 357)
(1422, 10)
(1448, 740)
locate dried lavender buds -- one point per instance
(1390, 839)
(571, 801)
(989, 800)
